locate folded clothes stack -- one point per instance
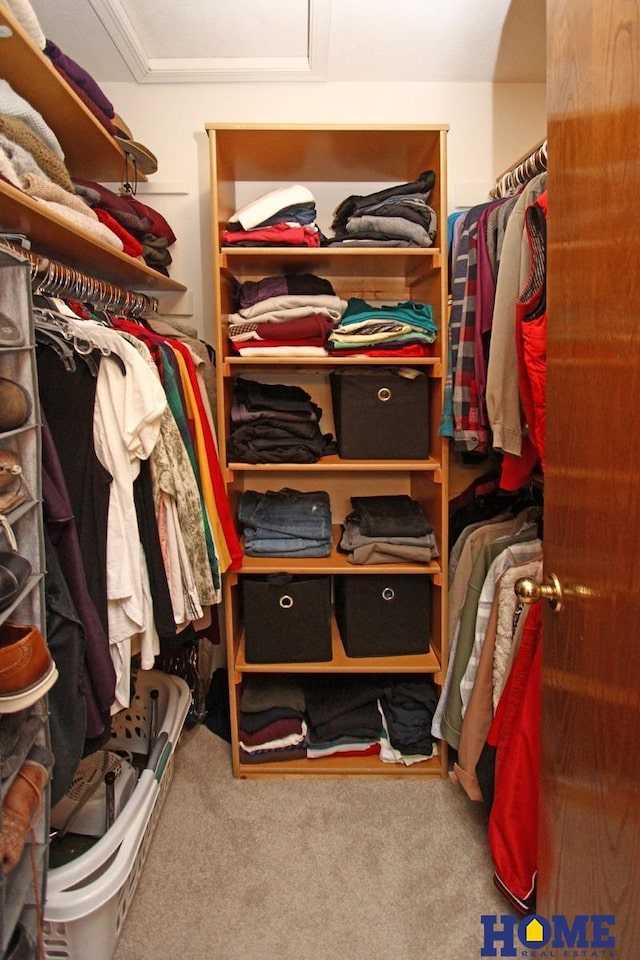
(407, 707)
(355, 715)
(143, 231)
(397, 216)
(343, 715)
(285, 216)
(83, 85)
(388, 529)
(406, 328)
(286, 523)
(32, 159)
(272, 724)
(315, 715)
(275, 423)
(290, 315)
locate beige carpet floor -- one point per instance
(308, 870)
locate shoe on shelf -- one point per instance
(22, 805)
(15, 405)
(15, 571)
(12, 485)
(27, 670)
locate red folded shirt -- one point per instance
(131, 246)
(278, 233)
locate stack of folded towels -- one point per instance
(388, 529)
(286, 523)
(397, 216)
(285, 216)
(272, 724)
(275, 423)
(290, 315)
(406, 328)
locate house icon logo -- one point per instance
(534, 933)
(557, 936)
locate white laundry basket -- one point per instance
(88, 899)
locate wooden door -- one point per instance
(590, 806)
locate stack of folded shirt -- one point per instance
(275, 423)
(32, 159)
(398, 216)
(407, 707)
(406, 328)
(250, 292)
(388, 529)
(285, 216)
(272, 724)
(143, 231)
(285, 315)
(343, 714)
(286, 523)
(83, 85)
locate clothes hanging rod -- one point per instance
(525, 168)
(57, 279)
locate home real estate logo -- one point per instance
(549, 938)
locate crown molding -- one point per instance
(145, 69)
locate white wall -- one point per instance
(490, 124)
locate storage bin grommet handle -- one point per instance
(286, 602)
(388, 593)
(384, 394)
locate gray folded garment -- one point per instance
(391, 553)
(398, 227)
(262, 693)
(17, 734)
(353, 538)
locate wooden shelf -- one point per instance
(339, 261)
(341, 663)
(53, 236)
(336, 562)
(433, 365)
(335, 464)
(326, 152)
(90, 151)
(337, 766)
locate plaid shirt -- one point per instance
(461, 390)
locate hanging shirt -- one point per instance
(127, 416)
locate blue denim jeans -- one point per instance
(288, 512)
(286, 547)
(286, 523)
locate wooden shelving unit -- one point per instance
(344, 160)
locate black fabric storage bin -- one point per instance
(287, 619)
(380, 615)
(381, 413)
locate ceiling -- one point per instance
(161, 41)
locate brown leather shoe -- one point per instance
(20, 810)
(27, 670)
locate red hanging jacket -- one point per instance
(515, 731)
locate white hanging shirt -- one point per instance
(127, 417)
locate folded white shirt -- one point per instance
(266, 205)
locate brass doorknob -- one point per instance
(530, 591)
